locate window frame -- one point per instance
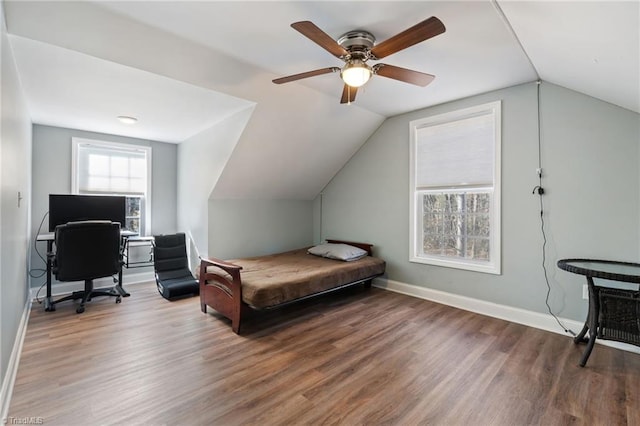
(145, 227)
(416, 231)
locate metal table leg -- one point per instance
(119, 288)
(592, 320)
(48, 301)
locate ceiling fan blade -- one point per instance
(420, 32)
(403, 74)
(307, 74)
(348, 94)
(315, 34)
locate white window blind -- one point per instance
(456, 153)
(108, 170)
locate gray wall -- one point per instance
(201, 159)
(231, 228)
(242, 228)
(52, 175)
(15, 176)
(590, 159)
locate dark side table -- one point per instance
(614, 314)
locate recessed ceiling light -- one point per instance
(127, 120)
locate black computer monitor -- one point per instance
(65, 208)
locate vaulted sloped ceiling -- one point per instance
(591, 47)
(295, 141)
(222, 56)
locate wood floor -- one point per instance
(357, 357)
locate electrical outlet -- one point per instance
(585, 292)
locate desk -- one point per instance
(49, 237)
(613, 313)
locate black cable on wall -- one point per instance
(540, 191)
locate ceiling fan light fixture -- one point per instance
(356, 73)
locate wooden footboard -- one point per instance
(221, 288)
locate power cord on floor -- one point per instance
(37, 297)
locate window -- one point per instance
(106, 168)
(455, 189)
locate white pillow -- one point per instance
(338, 251)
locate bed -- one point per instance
(233, 287)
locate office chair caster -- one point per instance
(80, 310)
(118, 299)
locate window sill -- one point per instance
(487, 268)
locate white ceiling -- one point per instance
(70, 89)
(199, 62)
(591, 47)
(476, 54)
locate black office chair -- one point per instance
(173, 276)
(85, 251)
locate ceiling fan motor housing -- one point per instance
(358, 41)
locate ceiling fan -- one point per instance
(357, 47)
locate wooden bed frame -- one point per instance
(222, 290)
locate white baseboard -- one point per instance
(507, 313)
(14, 360)
(60, 288)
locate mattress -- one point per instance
(283, 277)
